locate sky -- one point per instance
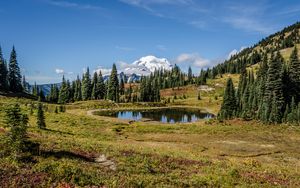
(63, 37)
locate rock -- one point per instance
(103, 161)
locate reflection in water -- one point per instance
(166, 115)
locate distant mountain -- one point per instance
(151, 63)
(143, 67)
(132, 73)
(45, 87)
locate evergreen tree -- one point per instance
(86, 88)
(64, 92)
(294, 75)
(113, 85)
(14, 75)
(190, 76)
(229, 107)
(101, 86)
(17, 122)
(95, 89)
(77, 90)
(53, 96)
(41, 95)
(40, 117)
(35, 90)
(274, 91)
(3, 73)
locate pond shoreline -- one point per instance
(180, 114)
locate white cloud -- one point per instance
(249, 24)
(104, 71)
(67, 4)
(59, 71)
(193, 59)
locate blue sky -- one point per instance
(55, 37)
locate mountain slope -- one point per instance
(282, 41)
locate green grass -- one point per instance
(149, 154)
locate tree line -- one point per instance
(271, 95)
(10, 74)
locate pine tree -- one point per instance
(77, 90)
(95, 89)
(113, 85)
(294, 75)
(17, 122)
(274, 91)
(3, 73)
(14, 74)
(86, 88)
(64, 92)
(228, 108)
(190, 76)
(40, 117)
(41, 95)
(101, 86)
(35, 90)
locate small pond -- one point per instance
(164, 115)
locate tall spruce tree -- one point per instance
(95, 90)
(273, 97)
(64, 92)
(229, 107)
(3, 73)
(113, 85)
(86, 87)
(101, 86)
(190, 75)
(14, 74)
(17, 122)
(294, 75)
(40, 117)
(77, 90)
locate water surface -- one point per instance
(164, 115)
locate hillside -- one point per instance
(283, 41)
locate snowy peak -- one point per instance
(152, 63)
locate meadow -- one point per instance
(79, 149)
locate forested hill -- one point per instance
(270, 91)
(282, 41)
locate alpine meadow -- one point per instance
(211, 98)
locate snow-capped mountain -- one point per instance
(145, 66)
(152, 63)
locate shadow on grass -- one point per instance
(67, 155)
(56, 131)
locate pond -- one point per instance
(164, 115)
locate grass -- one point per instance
(148, 154)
